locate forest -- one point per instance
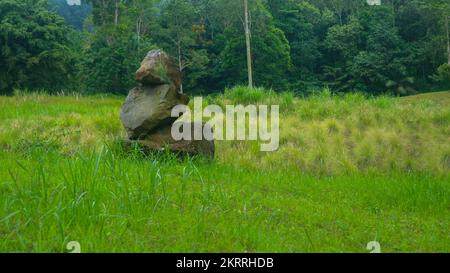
(399, 47)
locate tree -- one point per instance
(248, 44)
(368, 54)
(295, 44)
(34, 47)
(342, 43)
(304, 26)
(107, 11)
(271, 51)
(443, 8)
(113, 51)
(178, 34)
(141, 13)
(74, 15)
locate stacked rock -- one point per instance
(146, 113)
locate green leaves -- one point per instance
(299, 45)
(34, 47)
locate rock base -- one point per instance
(161, 140)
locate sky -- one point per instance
(73, 2)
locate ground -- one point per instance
(350, 170)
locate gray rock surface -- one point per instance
(148, 107)
(158, 68)
(161, 139)
(146, 113)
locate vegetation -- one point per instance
(34, 48)
(400, 47)
(75, 15)
(356, 162)
(350, 169)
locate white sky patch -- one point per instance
(374, 2)
(73, 2)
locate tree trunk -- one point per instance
(248, 42)
(138, 31)
(448, 38)
(116, 13)
(180, 66)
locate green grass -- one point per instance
(440, 98)
(350, 170)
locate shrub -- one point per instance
(443, 75)
(246, 95)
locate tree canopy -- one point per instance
(35, 47)
(400, 46)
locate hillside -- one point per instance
(441, 98)
(349, 170)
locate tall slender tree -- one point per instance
(248, 44)
(177, 33)
(443, 7)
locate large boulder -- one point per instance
(158, 68)
(147, 111)
(148, 107)
(161, 139)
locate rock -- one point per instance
(148, 107)
(147, 111)
(161, 139)
(158, 68)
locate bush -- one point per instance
(443, 75)
(246, 95)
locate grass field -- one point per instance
(350, 170)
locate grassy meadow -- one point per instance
(350, 169)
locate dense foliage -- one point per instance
(34, 47)
(73, 14)
(400, 47)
